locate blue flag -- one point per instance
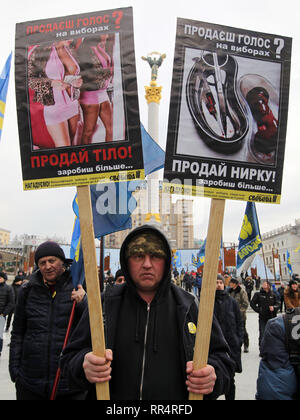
(194, 261)
(250, 239)
(201, 255)
(77, 268)
(4, 79)
(113, 204)
(288, 262)
(154, 156)
(176, 260)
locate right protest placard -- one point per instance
(228, 113)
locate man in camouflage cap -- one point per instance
(150, 326)
(146, 243)
(146, 255)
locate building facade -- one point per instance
(276, 246)
(4, 237)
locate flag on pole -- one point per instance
(201, 254)
(194, 261)
(298, 248)
(176, 259)
(154, 156)
(4, 80)
(288, 262)
(250, 239)
(113, 204)
(77, 267)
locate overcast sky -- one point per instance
(50, 212)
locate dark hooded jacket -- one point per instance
(261, 303)
(229, 316)
(6, 299)
(39, 329)
(151, 343)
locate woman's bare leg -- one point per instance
(60, 134)
(90, 116)
(73, 122)
(106, 115)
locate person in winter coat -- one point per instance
(17, 283)
(292, 295)
(6, 304)
(119, 277)
(278, 377)
(281, 290)
(228, 314)
(150, 333)
(241, 297)
(249, 286)
(40, 324)
(188, 281)
(266, 304)
(198, 284)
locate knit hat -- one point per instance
(233, 280)
(119, 273)
(49, 249)
(293, 282)
(220, 277)
(3, 275)
(146, 243)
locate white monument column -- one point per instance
(153, 97)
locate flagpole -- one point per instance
(208, 290)
(92, 281)
(101, 264)
(58, 372)
(262, 248)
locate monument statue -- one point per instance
(155, 60)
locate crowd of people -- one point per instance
(149, 308)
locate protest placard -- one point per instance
(226, 133)
(78, 119)
(228, 113)
(77, 100)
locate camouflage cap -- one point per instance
(146, 243)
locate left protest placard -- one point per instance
(77, 101)
(78, 119)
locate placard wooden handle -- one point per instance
(208, 290)
(92, 281)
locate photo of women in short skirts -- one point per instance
(75, 92)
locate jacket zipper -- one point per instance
(144, 353)
(52, 297)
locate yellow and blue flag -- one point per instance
(288, 262)
(250, 239)
(77, 268)
(4, 79)
(176, 260)
(200, 259)
(298, 248)
(201, 255)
